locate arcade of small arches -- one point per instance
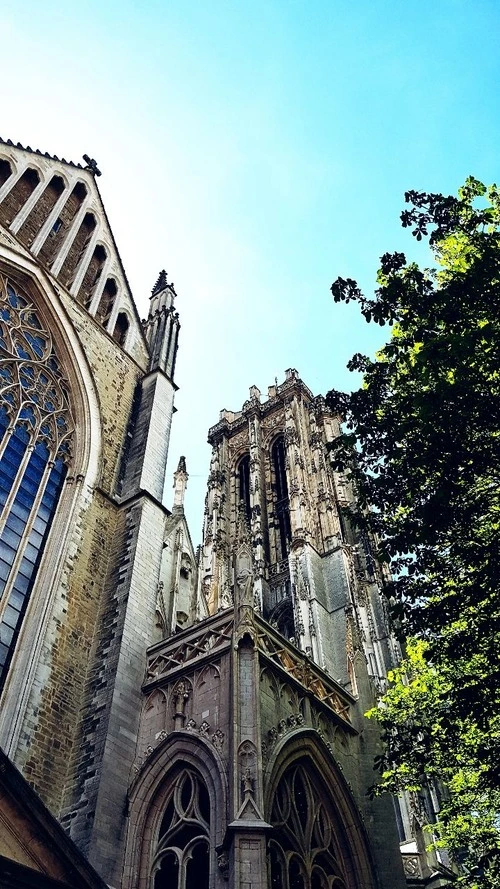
(53, 218)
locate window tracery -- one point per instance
(36, 436)
(182, 859)
(303, 851)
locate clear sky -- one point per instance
(256, 150)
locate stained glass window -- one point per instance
(36, 437)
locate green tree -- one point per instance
(426, 428)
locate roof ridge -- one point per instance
(52, 157)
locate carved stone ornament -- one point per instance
(161, 736)
(223, 864)
(295, 720)
(180, 695)
(218, 739)
(247, 755)
(247, 782)
(226, 599)
(411, 865)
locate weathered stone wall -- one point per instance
(115, 376)
(68, 212)
(45, 203)
(18, 195)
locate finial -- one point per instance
(91, 165)
(161, 283)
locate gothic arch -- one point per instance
(269, 681)
(210, 674)
(121, 327)
(150, 793)
(35, 289)
(303, 779)
(243, 483)
(280, 495)
(153, 719)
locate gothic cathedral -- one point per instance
(170, 719)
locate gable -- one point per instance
(54, 209)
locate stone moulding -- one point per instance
(188, 648)
(297, 666)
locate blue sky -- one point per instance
(257, 150)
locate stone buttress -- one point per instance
(132, 610)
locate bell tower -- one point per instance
(271, 485)
(252, 732)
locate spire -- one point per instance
(180, 482)
(161, 283)
(162, 326)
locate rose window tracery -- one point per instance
(182, 859)
(36, 438)
(303, 850)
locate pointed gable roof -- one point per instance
(72, 257)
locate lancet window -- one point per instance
(182, 859)
(36, 433)
(282, 504)
(303, 850)
(244, 484)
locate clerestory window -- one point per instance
(36, 432)
(182, 859)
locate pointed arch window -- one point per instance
(36, 434)
(244, 484)
(303, 850)
(5, 171)
(18, 195)
(182, 859)
(282, 503)
(121, 329)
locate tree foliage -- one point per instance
(426, 426)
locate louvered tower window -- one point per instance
(36, 431)
(244, 484)
(282, 504)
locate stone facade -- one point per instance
(71, 695)
(191, 719)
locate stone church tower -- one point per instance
(272, 487)
(254, 758)
(194, 721)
